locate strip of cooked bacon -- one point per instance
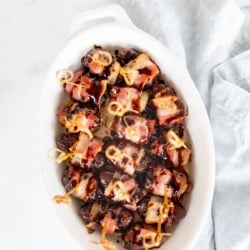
(96, 60)
(111, 224)
(173, 156)
(78, 87)
(84, 88)
(139, 72)
(114, 70)
(177, 150)
(77, 119)
(79, 184)
(135, 197)
(125, 157)
(122, 188)
(119, 190)
(142, 236)
(174, 149)
(153, 211)
(162, 177)
(134, 128)
(85, 150)
(111, 113)
(168, 107)
(123, 100)
(178, 157)
(87, 187)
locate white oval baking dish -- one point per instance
(110, 27)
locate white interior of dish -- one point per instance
(202, 168)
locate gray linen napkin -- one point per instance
(230, 117)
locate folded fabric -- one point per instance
(205, 35)
(230, 118)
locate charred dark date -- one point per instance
(145, 179)
(149, 112)
(99, 161)
(71, 177)
(124, 56)
(99, 195)
(93, 211)
(85, 212)
(123, 216)
(179, 212)
(145, 164)
(105, 177)
(143, 207)
(65, 141)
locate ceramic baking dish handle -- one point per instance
(106, 14)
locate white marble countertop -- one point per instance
(31, 33)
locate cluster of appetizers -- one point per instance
(124, 148)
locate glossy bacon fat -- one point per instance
(123, 142)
